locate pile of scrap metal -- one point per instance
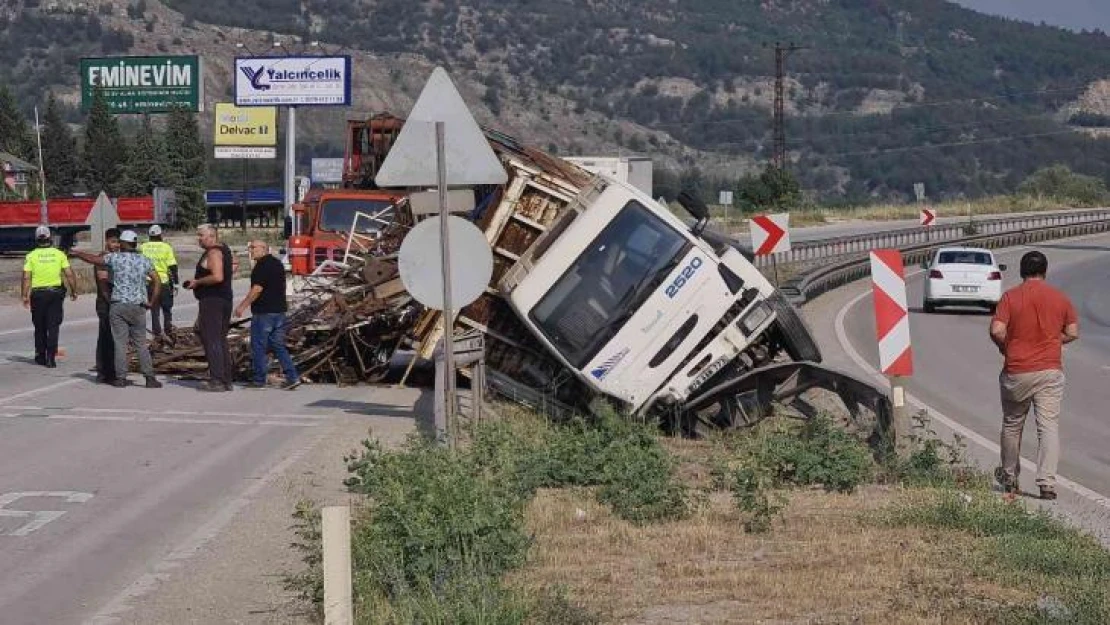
(343, 328)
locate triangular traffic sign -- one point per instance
(411, 161)
(102, 216)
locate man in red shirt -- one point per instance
(1031, 324)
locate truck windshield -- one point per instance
(337, 214)
(590, 303)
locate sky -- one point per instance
(1074, 14)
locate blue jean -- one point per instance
(268, 334)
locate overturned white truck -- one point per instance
(600, 292)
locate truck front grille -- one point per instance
(731, 315)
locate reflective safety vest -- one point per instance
(46, 265)
(161, 254)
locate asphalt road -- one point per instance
(956, 366)
(103, 489)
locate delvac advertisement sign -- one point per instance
(144, 84)
(293, 81)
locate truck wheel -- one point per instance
(796, 337)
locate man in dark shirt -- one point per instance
(268, 305)
(105, 347)
(212, 288)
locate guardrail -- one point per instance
(823, 249)
(830, 276)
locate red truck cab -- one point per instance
(324, 218)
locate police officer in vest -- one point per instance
(165, 264)
(43, 293)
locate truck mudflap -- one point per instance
(797, 389)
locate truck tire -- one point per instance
(796, 337)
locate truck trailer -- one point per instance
(69, 216)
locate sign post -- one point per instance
(771, 235)
(441, 129)
(892, 329)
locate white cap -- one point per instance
(128, 236)
(42, 232)
(155, 230)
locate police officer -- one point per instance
(161, 255)
(43, 293)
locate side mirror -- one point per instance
(693, 205)
(1002, 267)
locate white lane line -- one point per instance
(991, 446)
(184, 413)
(176, 420)
(83, 321)
(44, 389)
(120, 604)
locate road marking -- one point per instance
(161, 571)
(44, 389)
(187, 413)
(177, 420)
(39, 518)
(842, 337)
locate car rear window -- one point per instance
(964, 258)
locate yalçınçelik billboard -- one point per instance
(243, 126)
(144, 84)
(293, 81)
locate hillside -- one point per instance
(890, 92)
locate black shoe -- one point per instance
(50, 364)
(290, 385)
(1048, 493)
(255, 385)
(40, 359)
(120, 383)
(214, 387)
(152, 382)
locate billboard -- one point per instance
(241, 126)
(144, 84)
(245, 151)
(293, 81)
(327, 170)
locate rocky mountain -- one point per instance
(886, 92)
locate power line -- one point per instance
(949, 145)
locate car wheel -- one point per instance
(796, 337)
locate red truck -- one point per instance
(322, 221)
(68, 216)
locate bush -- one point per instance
(1061, 183)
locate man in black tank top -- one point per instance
(212, 287)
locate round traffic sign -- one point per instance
(419, 262)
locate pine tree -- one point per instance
(105, 153)
(59, 151)
(15, 133)
(186, 165)
(146, 163)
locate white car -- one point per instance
(962, 276)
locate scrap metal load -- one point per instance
(342, 329)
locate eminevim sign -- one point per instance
(144, 84)
(293, 81)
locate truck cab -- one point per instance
(324, 218)
(636, 303)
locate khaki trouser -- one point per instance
(1044, 391)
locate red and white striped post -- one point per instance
(892, 329)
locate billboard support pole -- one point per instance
(290, 160)
(44, 214)
(243, 216)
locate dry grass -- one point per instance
(824, 561)
(820, 564)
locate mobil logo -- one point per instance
(684, 276)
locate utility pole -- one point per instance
(44, 213)
(778, 158)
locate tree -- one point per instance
(1060, 183)
(774, 188)
(146, 164)
(105, 153)
(59, 151)
(15, 132)
(186, 165)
